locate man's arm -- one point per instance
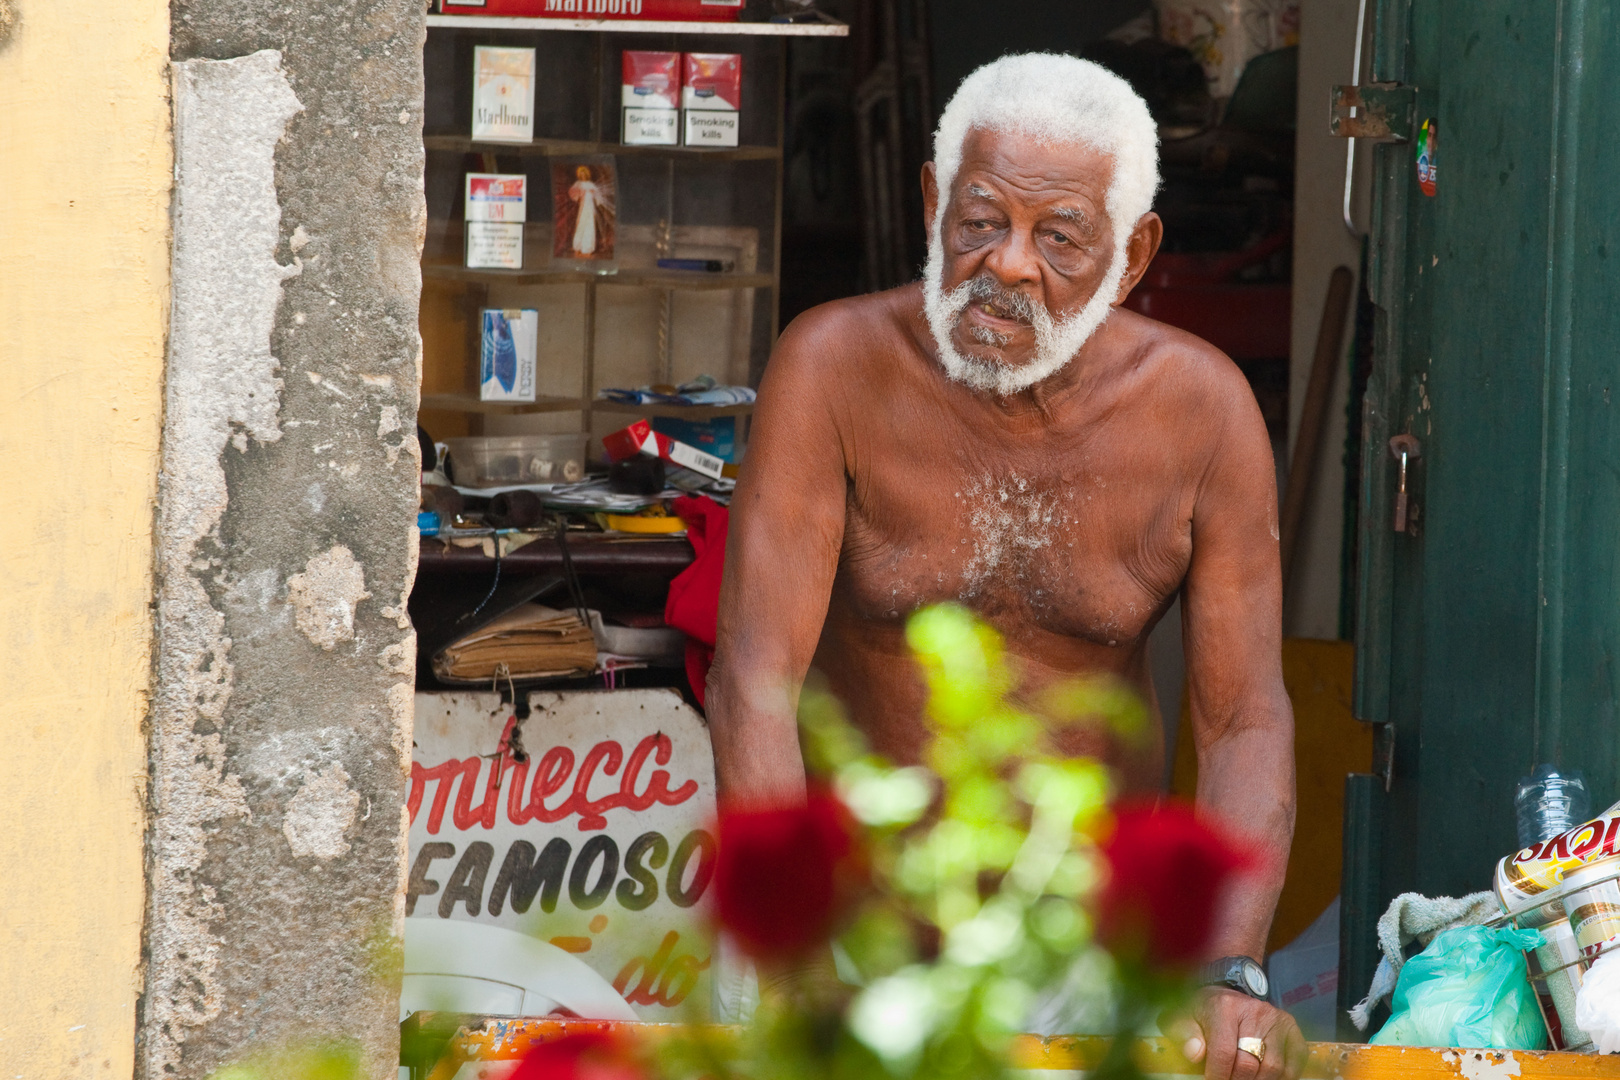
(787, 527)
(1242, 722)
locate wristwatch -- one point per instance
(1236, 973)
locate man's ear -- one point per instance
(930, 188)
(1140, 249)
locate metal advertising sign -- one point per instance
(585, 827)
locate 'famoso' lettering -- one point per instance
(551, 775)
(526, 874)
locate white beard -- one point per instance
(1057, 340)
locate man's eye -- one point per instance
(979, 225)
(1059, 238)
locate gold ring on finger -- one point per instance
(1255, 1048)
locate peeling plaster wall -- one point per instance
(281, 723)
(84, 265)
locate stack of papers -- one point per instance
(596, 495)
(530, 642)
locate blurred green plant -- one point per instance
(335, 1060)
(981, 871)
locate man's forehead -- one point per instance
(1010, 162)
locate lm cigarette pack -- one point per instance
(495, 211)
(650, 96)
(711, 98)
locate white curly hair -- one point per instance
(1058, 100)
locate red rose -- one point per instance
(1167, 869)
(586, 1055)
(784, 875)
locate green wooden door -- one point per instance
(1488, 634)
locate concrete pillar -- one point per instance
(281, 715)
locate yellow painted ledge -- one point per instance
(440, 1043)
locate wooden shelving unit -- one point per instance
(656, 279)
(581, 87)
(470, 403)
(825, 28)
(456, 144)
(681, 412)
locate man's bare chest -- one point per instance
(1080, 549)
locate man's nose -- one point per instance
(1014, 260)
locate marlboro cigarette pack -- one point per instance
(711, 98)
(495, 211)
(640, 438)
(503, 94)
(650, 95)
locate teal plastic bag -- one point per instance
(1468, 988)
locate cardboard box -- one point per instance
(640, 438)
(503, 94)
(711, 99)
(506, 357)
(680, 10)
(650, 97)
(496, 207)
(716, 437)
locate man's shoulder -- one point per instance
(1185, 368)
(854, 332)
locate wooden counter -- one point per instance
(591, 553)
(436, 1045)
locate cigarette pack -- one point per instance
(640, 438)
(495, 211)
(503, 94)
(507, 353)
(711, 98)
(650, 95)
(678, 10)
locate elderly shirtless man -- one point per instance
(1003, 435)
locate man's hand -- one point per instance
(1220, 1018)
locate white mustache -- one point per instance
(1009, 303)
(1006, 303)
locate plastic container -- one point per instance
(516, 460)
(1550, 801)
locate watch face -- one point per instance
(1254, 977)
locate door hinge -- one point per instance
(1383, 763)
(1384, 111)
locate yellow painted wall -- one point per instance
(85, 165)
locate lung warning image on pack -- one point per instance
(506, 360)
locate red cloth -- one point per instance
(694, 596)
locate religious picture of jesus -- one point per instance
(584, 199)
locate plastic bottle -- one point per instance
(1550, 801)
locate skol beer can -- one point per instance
(1528, 874)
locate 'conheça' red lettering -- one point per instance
(551, 775)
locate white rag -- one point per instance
(1597, 1003)
(1415, 917)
